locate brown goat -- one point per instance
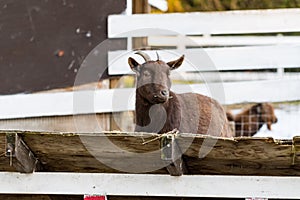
(250, 120)
(160, 110)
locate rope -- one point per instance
(174, 132)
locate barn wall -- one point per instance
(32, 32)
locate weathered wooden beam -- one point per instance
(171, 153)
(20, 155)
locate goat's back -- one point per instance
(202, 115)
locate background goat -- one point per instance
(160, 110)
(250, 120)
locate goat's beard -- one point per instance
(160, 100)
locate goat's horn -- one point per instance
(144, 55)
(157, 56)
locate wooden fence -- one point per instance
(198, 60)
(235, 42)
(66, 149)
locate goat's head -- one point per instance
(153, 81)
(266, 111)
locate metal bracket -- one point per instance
(171, 153)
(19, 154)
(10, 145)
(166, 148)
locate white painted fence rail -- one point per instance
(117, 100)
(142, 185)
(207, 40)
(230, 22)
(213, 59)
(183, 29)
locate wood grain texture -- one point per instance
(65, 152)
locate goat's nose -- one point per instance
(164, 92)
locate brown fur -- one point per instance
(188, 112)
(229, 116)
(250, 120)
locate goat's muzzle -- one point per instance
(161, 96)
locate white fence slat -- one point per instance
(271, 91)
(237, 58)
(142, 185)
(249, 91)
(233, 76)
(229, 22)
(192, 41)
(62, 103)
(103, 101)
(210, 59)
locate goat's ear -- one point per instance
(258, 107)
(176, 63)
(134, 65)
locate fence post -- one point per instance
(138, 6)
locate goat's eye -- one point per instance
(146, 73)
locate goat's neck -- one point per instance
(172, 108)
(142, 107)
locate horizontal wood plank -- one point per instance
(142, 185)
(229, 22)
(63, 103)
(196, 41)
(92, 123)
(105, 101)
(115, 152)
(212, 59)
